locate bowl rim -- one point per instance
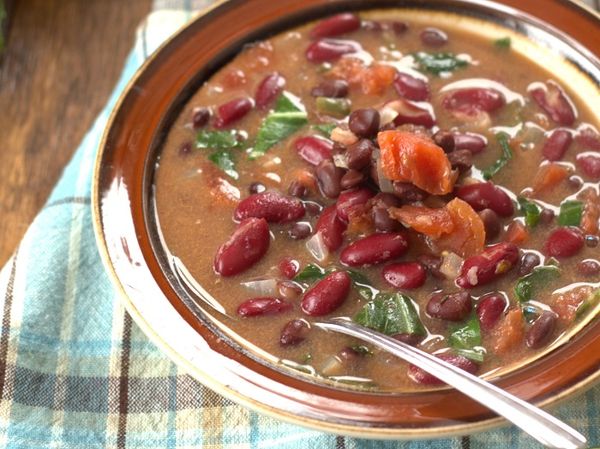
(204, 377)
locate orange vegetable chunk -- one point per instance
(548, 176)
(509, 333)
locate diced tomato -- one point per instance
(349, 69)
(509, 333)
(372, 80)
(431, 222)
(548, 176)
(565, 304)
(416, 159)
(516, 233)
(591, 211)
(359, 222)
(306, 178)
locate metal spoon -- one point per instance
(542, 426)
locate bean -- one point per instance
(405, 275)
(473, 100)
(588, 137)
(411, 88)
(490, 264)
(589, 164)
(382, 220)
(312, 208)
(288, 267)
(359, 154)
(399, 27)
(325, 50)
(327, 295)
(555, 102)
(557, 144)
(564, 242)
(485, 195)
(348, 355)
(433, 264)
(185, 148)
(336, 25)
(246, 246)
(263, 306)
(272, 206)
(351, 179)
(491, 223)
(490, 308)
(424, 378)
(314, 150)
(351, 199)
(293, 333)
(528, 262)
(409, 339)
(461, 160)
(591, 241)
(297, 189)
(575, 182)
(408, 193)
(331, 89)
(433, 37)
(589, 267)
(472, 142)
(232, 111)
(374, 249)
(364, 122)
(256, 187)
(200, 117)
(289, 289)
(268, 90)
(546, 216)
(450, 307)
(331, 228)
(300, 231)
(444, 140)
(411, 114)
(385, 200)
(329, 178)
(540, 332)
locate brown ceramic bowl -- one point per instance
(130, 241)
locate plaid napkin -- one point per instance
(76, 372)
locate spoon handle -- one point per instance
(542, 426)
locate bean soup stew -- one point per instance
(398, 169)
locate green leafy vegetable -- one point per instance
(466, 339)
(506, 156)
(362, 349)
(310, 273)
(391, 313)
(362, 284)
(218, 140)
(531, 211)
(540, 277)
(335, 107)
(287, 118)
(570, 213)
(589, 302)
(503, 43)
(437, 63)
(325, 128)
(224, 160)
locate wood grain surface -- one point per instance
(62, 60)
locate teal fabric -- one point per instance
(76, 372)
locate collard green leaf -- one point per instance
(362, 284)
(526, 287)
(438, 63)
(588, 303)
(224, 160)
(310, 273)
(570, 213)
(391, 313)
(506, 156)
(531, 211)
(503, 43)
(325, 128)
(218, 140)
(465, 339)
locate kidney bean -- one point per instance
(472, 142)
(411, 114)
(490, 264)
(473, 100)
(300, 231)
(329, 178)
(408, 193)
(411, 88)
(297, 189)
(351, 179)
(405, 275)
(589, 164)
(556, 144)
(359, 154)
(331, 89)
(382, 220)
(546, 216)
(528, 262)
(246, 246)
(450, 307)
(433, 37)
(232, 111)
(433, 264)
(409, 339)
(328, 50)
(263, 306)
(288, 267)
(314, 150)
(491, 223)
(327, 295)
(272, 206)
(564, 242)
(555, 102)
(364, 122)
(490, 308)
(424, 378)
(351, 199)
(485, 195)
(256, 187)
(588, 138)
(374, 249)
(589, 267)
(334, 26)
(540, 332)
(461, 160)
(268, 89)
(200, 117)
(331, 228)
(293, 333)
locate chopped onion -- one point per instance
(385, 185)
(340, 160)
(332, 366)
(451, 264)
(343, 136)
(388, 112)
(316, 246)
(262, 287)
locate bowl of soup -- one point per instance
(429, 170)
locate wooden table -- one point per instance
(62, 60)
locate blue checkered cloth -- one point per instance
(76, 372)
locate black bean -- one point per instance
(409, 339)
(382, 220)
(351, 178)
(331, 89)
(445, 140)
(491, 223)
(399, 27)
(185, 148)
(383, 199)
(433, 264)
(312, 208)
(591, 241)
(364, 122)
(256, 187)
(293, 333)
(200, 117)
(462, 160)
(541, 330)
(297, 189)
(546, 216)
(329, 178)
(408, 193)
(528, 262)
(450, 307)
(300, 231)
(359, 154)
(433, 37)
(589, 267)
(575, 182)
